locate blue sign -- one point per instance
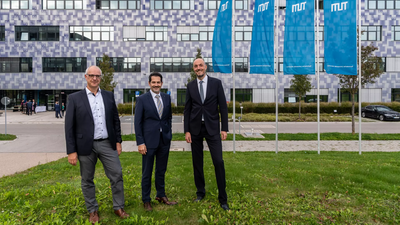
(222, 39)
(168, 93)
(299, 42)
(137, 93)
(340, 37)
(262, 40)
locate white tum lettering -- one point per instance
(224, 6)
(338, 6)
(299, 7)
(263, 7)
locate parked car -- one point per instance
(380, 112)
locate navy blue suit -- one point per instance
(213, 106)
(156, 134)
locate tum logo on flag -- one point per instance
(338, 6)
(224, 6)
(299, 7)
(263, 7)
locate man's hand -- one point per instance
(223, 135)
(119, 148)
(142, 149)
(73, 158)
(188, 137)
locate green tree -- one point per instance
(193, 75)
(300, 84)
(107, 78)
(371, 69)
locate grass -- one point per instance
(294, 137)
(8, 137)
(263, 188)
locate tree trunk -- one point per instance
(299, 107)
(353, 125)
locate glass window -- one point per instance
(64, 64)
(36, 33)
(15, 65)
(371, 33)
(169, 4)
(214, 4)
(395, 33)
(243, 95)
(345, 96)
(383, 4)
(118, 4)
(63, 4)
(2, 33)
(181, 95)
(395, 94)
(14, 4)
(121, 64)
(243, 33)
(91, 33)
(171, 64)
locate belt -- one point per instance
(102, 139)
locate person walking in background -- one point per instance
(62, 109)
(153, 129)
(93, 131)
(57, 109)
(34, 106)
(22, 107)
(204, 98)
(29, 108)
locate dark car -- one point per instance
(380, 112)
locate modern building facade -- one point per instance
(45, 47)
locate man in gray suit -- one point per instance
(93, 131)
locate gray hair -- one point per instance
(86, 72)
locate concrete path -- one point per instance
(40, 139)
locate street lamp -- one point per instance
(145, 83)
(241, 115)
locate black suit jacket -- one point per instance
(215, 99)
(79, 124)
(148, 122)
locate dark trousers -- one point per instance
(161, 154)
(112, 166)
(215, 145)
(58, 113)
(28, 111)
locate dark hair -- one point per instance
(155, 74)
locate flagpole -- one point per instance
(233, 73)
(276, 72)
(359, 76)
(318, 103)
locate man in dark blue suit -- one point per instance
(205, 101)
(153, 118)
(93, 131)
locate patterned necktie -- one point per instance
(159, 106)
(201, 91)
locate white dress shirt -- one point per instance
(205, 80)
(99, 114)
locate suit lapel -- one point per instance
(104, 97)
(153, 105)
(197, 94)
(208, 93)
(86, 102)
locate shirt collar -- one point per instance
(89, 92)
(154, 94)
(204, 80)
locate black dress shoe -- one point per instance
(225, 206)
(198, 199)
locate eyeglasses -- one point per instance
(94, 76)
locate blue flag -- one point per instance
(262, 40)
(340, 37)
(299, 44)
(222, 39)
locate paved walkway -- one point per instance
(15, 156)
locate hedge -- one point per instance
(248, 107)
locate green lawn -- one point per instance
(293, 137)
(263, 188)
(8, 137)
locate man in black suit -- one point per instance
(153, 118)
(29, 108)
(201, 120)
(93, 131)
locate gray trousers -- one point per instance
(113, 170)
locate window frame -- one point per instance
(396, 5)
(217, 3)
(8, 64)
(243, 31)
(154, 6)
(62, 67)
(121, 64)
(2, 33)
(10, 6)
(85, 30)
(76, 4)
(37, 31)
(378, 33)
(244, 94)
(99, 5)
